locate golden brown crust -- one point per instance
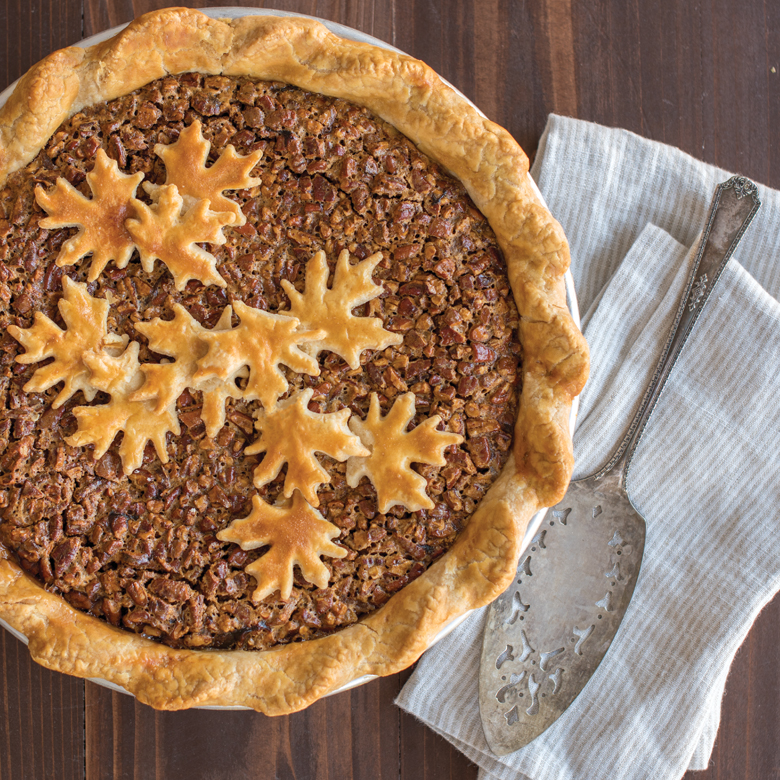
(491, 165)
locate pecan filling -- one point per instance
(141, 551)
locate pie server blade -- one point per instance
(546, 635)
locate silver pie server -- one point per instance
(546, 635)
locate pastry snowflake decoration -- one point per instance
(331, 309)
(393, 450)
(291, 434)
(250, 360)
(120, 377)
(297, 534)
(262, 342)
(189, 209)
(86, 320)
(163, 232)
(185, 167)
(101, 219)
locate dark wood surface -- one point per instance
(700, 75)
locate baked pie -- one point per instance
(286, 365)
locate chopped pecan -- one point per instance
(142, 550)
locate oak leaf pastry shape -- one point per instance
(86, 331)
(290, 433)
(140, 421)
(185, 167)
(331, 308)
(101, 219)
(163, 231)
(394, 449)
(182, 339)
(297, 534)
(262, 342)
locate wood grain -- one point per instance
(351, 735)
(30, 31)
(42, 732)
(424, 754)
(42, 712)
(695, 75)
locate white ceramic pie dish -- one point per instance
(356, 35)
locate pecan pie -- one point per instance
(286, 364)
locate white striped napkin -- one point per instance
(704, 475)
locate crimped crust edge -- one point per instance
(493, 168)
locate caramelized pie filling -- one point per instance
(141, 551)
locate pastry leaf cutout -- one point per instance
(330, 309)
(393, 450)
(101, 219)
(297, 534)
(182, 338)
(164, 232)
(290, 433)
(185, 166)
(86, 319)
(140, 421)
(262, 342)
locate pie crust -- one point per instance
(493, 168)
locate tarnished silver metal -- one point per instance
(547, 634)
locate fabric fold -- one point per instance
(632, 210)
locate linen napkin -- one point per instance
(704, 476)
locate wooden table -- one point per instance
(702, 76)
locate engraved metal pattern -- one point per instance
(697, 292)
(555, 643)
(743, 187)
(547, 634)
